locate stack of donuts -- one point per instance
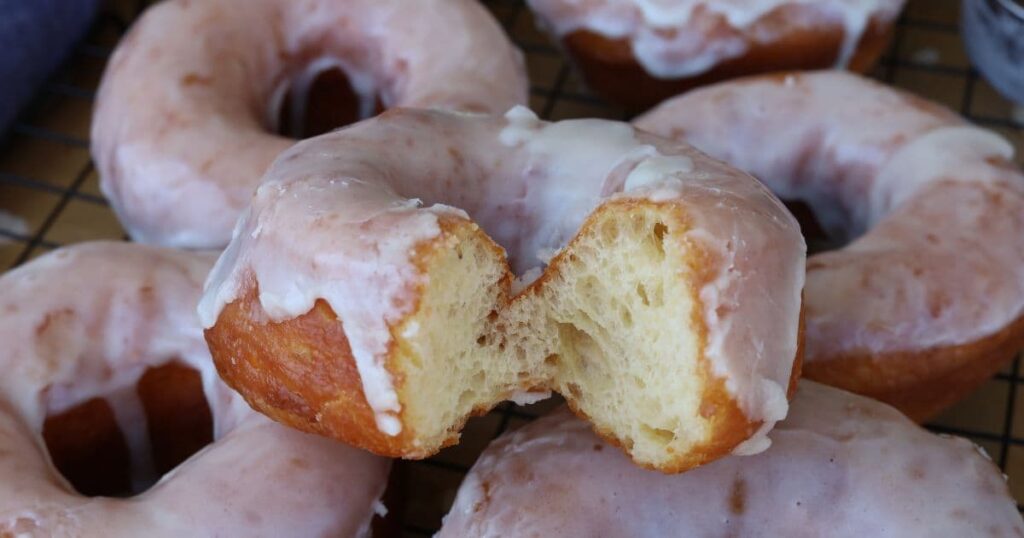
(295, 312)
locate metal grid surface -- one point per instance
(49, 197)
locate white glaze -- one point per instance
(362, 198)
(130, 417)
(528, 398)
(180, 134)
(655, 169)
(941, 207)
(87, 321)
(669, 37)
(933, 157)
(840, 466)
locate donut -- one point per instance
(927, 300)
(637, 53)
(840, 465)
(190, 104)
(98, 338)
(657, 289)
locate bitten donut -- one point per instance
(83, 329)
(927, 300)
(840, 465)
(191, 100)
(353, 303)
(637, 53)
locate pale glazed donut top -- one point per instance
(184, 116)
(655, 28)
(338, 216)
(87, 321)
(942, 205)
(840, 465)
(117, 318)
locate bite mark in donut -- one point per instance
(388, 323)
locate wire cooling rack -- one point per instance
(49, 197)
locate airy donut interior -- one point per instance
(611, 330)
(92, 446)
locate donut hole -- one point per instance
(118, 445)
(319, 99)
(818, 240)
(88, 449)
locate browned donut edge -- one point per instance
(611, 70)
(294, 369)
(291, 370)
(729, 425)
(922, 383)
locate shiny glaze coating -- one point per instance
(87, 321)
(840, 465)
(184, 117)
(926, 300)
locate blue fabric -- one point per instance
(35, 37)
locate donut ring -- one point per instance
(186, 111)
(928, 302)
(637, 53)
(387, 324)
(840, 465)
(87, 321)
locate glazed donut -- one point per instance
(927, 301)
(82, 325)
(354, 304)
(636, 53)
(190, 101)
(840, 465)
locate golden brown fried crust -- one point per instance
(611, 70)
(294, 370)
(729, 426)
(301, 371)
(922, 383)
